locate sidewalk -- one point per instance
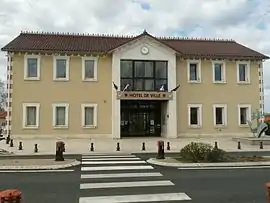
(82, 146)
(45, 164)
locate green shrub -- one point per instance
(216, 155)
(202, 152)
(196, 152)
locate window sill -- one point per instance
(195, 126)
(61, 79)
(194, 81)
(90, 80)
(244, 126)
(222, 126)
(30, 127)
(89, 127)
(60, 127)
(31, 79)
(243, 83)
(219, 82)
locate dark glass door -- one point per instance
(140, 118)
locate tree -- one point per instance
(3, 95)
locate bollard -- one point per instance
(20, 146)
(168, 146)
(239, 145)
(35, 148)
(118, 146)
(261, 145)
(216, 145)
(11, 143)
(143, 146)
(92, 147)
(267, 185)
(161, 154)
(8, 139)
(60, 148)
(10, 196)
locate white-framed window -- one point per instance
(194, 71)
(89, 115)
(60, 115)
(219, 71)
(31, 115)
(31, 67)
(220, 115)
(61, 68)
(244, 114)
(89, 68)
(195, 115)
(243, 72)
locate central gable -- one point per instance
(145, 47)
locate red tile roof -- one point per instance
(85, 44)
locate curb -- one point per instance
(40, 167)
(216, 165)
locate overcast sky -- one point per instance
(246, 21)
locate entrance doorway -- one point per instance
(140, 118)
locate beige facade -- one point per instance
(44, 95)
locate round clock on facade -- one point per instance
(144, 50)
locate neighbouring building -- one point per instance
(78, 85)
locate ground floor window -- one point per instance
(60, 115)
(89, 115)
(31, 115)
(194, 115)
(244, 114)
(220, 114)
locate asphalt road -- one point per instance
(202, 186)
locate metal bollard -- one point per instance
(267, 185)
(239, 145)
(11, 143)
(168, 146)
(8, 139)
(92, 147)
(36, 148)
(143, 146)
(261, 145)
(118, 146)
(20, 146)
(216, 145)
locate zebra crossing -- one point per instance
(124, 179)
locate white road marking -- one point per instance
(35, 171)
(136, 198)
(126, 184)
(110, 168)
(223, 167)
(109, 156)
(120, 175)
(113, 162)
(111, 159)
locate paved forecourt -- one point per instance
(124, 178)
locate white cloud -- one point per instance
(199, 18)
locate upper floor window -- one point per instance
(61, 68)
(32, 67)
(89, 69)
(194, 71)
(243, 72)
(219, 72)
(144, 75)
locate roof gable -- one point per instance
(85, 44)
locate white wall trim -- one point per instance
(95, 59)
(261, 86)
(223, 76)
(248, 106)
(199, 79)
(54, 106)
(200, 122)
(248, 79)
(95, 117)
(25, 106)
(67, 58)
(26, 57)
(225, 114)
